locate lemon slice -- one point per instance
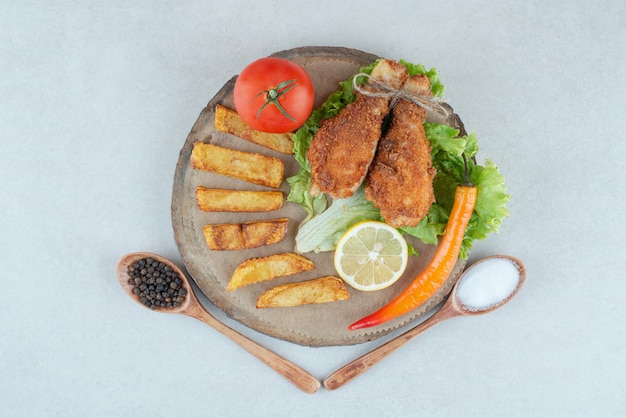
(371, 256)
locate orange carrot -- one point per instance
(432, 278)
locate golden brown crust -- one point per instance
(261, 269)
(227, 120)
(400, 179)
(343, 148)
(222, 200)
(245, 235)
(247, 166)
(320, 290)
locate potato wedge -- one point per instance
(241, 236)
(228, 121)
(221, 200)
(262, 269)
(247, 166)
(320, 290)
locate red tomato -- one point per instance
(274, 95)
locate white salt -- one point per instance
(488, 283)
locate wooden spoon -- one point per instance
(192, 307)
(451, 308)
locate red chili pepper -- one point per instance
(432, 278)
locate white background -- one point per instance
(96, 100)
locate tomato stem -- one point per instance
(274, 94)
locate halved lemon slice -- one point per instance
(371, 256)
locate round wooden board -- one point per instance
(311, 325)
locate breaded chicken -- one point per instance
(400, 181)
(343, 148)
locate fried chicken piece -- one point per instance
(343, 148)
(400, 181)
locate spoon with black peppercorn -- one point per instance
(141, 273)
(484, 287)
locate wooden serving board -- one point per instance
(312, 325)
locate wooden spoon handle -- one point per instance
(293, 373)
(359, 366)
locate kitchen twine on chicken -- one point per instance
(428, 102)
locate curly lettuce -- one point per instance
(325, 224)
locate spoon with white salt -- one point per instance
(485, 286)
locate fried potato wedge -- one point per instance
(228, 121)
(321, 290)
(261, 269)
(241, 236)
(221, 200)
(247, 166)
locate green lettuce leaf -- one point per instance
(322, 232)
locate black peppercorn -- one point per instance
(156, 284)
